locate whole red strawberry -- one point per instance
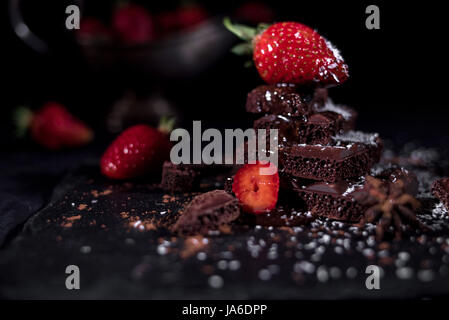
(256, 190)
(138, 150)
(53, 127)
(133, 24)
(291, 52)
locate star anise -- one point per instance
(390, 206)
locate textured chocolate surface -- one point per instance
(348, 114)
(124, 250)
(349, 155)
(346, 200)
(440, 189)
(207, 212)
(179, 178)
(317, 128)
(283, 99)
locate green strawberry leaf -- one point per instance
(242, 49)
(22, 118)
(243, 32)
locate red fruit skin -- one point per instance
(191, 15)
(91, 29)
(255, 12)
(181, 18)
(133, 24)
(256, 193)
(294, 53)
(53, 127)
(138, 150)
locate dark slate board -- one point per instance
(115, 233)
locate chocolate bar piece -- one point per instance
(187, 177)
(317, 128)
(348, 115)
(207, 212)
(346, 200)
(440, 189)
(283, 99)
(348, 155)
(179, 177)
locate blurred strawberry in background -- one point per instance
(254, 12)
(181, 18)
(133, 24)
(53, 127)
(92, 29)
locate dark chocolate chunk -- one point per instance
(207, 212)
(187, 177)
(179, 177)
(347, 156)
(348, 115)
(317, 128)
(347, 199)
(440, 189)
(320, 96)
(284, 99)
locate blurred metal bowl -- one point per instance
(180, 55)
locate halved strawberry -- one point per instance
(256, 190)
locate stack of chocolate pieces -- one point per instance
(321, 158)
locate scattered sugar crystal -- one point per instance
(335, 272)
(338, 250)
(304, 266)
(215, 281)
(404, 273)
(222, 264)
(404, 255)
(321, 274)
(358, 136)
(201, 256)
(426, 275)
(234, 265)
(331, 106)
(264, 274)
(162, 249)
(85, 249)
(351, 272)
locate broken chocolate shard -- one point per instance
(347, 156)
(345, 200)
(316, 128)
(179, 177)
(207, 212)
(282, 99)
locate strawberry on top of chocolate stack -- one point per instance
(317, 144)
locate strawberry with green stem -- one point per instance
(52, 126)
(290, 52)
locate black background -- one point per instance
(398, 73)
